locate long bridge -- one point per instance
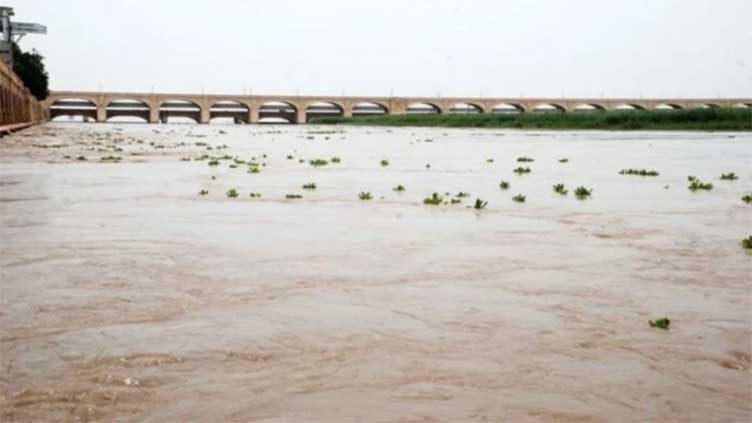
(202, 108)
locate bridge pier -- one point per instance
(300, 116)
(154, 114)
(101, 113)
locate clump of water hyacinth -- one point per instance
(203, 192)
(691, 178)
(293, 196)
(462, 194)
(747, 198)
(564, 160)
(254, 169)
(384, 163)
(582, 192)
(746, 243)
(696, 185)
(213, 162)
(336, 160)
(365, 196)
(519, 198)
(233, 193)
(504, 185)
(255, 195)
(525, 159)
(560, 189)
(480, 204)
(729, 176)
(434, 200)
(522, 170)
(111, 159)
(663, 323)
(456, 200)
(639, 172)
(399, 188)
(310, 186)
(318, 162)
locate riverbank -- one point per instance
(671, 120)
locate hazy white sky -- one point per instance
(660, 48)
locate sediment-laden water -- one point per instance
(124, 294)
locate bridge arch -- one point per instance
(628, 107)
(127, 108)
(423, 108)
(507, 108)
(276, 111)
(229, 111)
(589, 107)
(180, 109)
(369, 108)
(318, 109)
(742, 106)
(74, 107)
(548, 108)
(668, 106)
(465, 108)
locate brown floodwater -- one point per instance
(127, 296)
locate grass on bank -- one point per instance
(691, 119)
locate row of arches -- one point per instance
(281, 111)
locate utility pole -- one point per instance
(9, 29)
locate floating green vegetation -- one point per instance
(582, 192)
(729, 176)
(522, 170)
(185, 159)
(564, 160)
(696, 185)
(111, 159)
(365, 196)
(233, 193)
(310, 186)
(239, 161)
(336, 160)
(434, 200)
(203, 192)
(81, 158)
(456, 200)
(525, 159)
(519, 198)
(293, 196)
(255, 195)
(462, 194)
(254, 169)
(691, 178)
(200, 158)
(747, 198)
(747, 243)
(504, 185)
(639, 172)
(480, 204)
(318, 162)
(489, 160)
(384, 163)
(428, 166)
(663, 323)
(233, 166)
(213, 162)
(399, 188)
(290, 157)
(560, 189)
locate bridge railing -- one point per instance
(18, 107)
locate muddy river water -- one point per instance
(127, 296)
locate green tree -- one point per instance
(29, 66)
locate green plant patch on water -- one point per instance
(582, 192)
(663, 323)
(111, 159)
(203, 192)
(185, 159)
(519, 198)
(428, 166)
(504, 185)
(462, 194)
(434, 200)
(746, 243)
(318, 162)
(310, 186)
(233, 166)
(384, 163)
(399, 188)
(560, 189)
(729, 176)
(480, 204)
(365, 196)
(213, 162)
(747, 198)
(691, 178)
(254, 169)
(639, 172)
(564, 160)
(489, 160)
(293, 196)
(525, 159)
(233, 193)
(290, 157)
(336, 160)
(456, 200)
(255, 195)
(697, 185)
(522, 170)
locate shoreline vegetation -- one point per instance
(716, 119)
